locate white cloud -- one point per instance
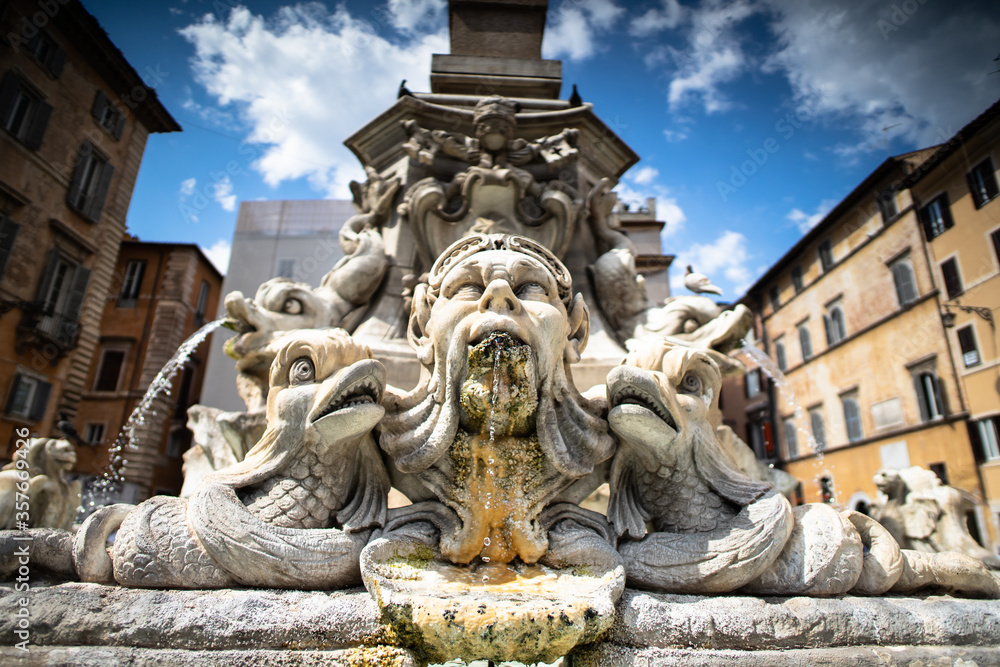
(711, 53)
(656, 20)
(673, 136)
(303, 81)
(646, 175)
(222, 192)
(925, 72)
(805, 221)
(726, 255)
(573, 27)
(218, 254)
(412, 15)
(187, 186)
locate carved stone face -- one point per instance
(64, 452)
(503, 291)
(495, 430)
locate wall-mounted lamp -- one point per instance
(948, 317)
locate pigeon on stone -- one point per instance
(574, 99)
(698, 283)
(66, 427)
(403, 90)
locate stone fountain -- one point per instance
(487, 281)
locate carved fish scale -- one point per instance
(304, 496)
(680, 501)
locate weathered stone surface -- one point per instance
(46, 656)
(609, 655)
(82, 615)
(75, 614)
(745, 623)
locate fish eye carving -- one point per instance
(292, 306)
(691, 384)
(302, 372)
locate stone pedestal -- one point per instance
(85, 624)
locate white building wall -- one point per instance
(270, 236)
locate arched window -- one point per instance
(906, 284)
(836, 330)
(779, 355)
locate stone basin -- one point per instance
(494, 611)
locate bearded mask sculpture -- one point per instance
(495, 430)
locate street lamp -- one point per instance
(948, 317)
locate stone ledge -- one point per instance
(71, 656)
(76, 614)
(609, 655)
(297, 627)
(679, 621)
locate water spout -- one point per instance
(110, 483)
(760, 359)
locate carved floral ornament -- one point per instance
(493, 183)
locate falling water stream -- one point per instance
(757, 357)
(110, 483)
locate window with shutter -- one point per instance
(852, 418)
(983, 183)
(797, 279)
(970, 351)
(906, 284)
(952, 279)
(935, 217)
(818, 428)
(8, 232)
(988, 432)
(108, 115)
(775, 297)
(825, 250)
(61, 291)
(23, 112)
(131, 283)
(886, 201)
(779, 356)
(43, 48)
(791, 440)
(91, 180)
(29, 396)
(928, 390)
(805, 340)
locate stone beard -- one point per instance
(495, 430)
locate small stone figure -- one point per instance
(52, 500)
(923, 514)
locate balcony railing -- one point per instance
(53, 333)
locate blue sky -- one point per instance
(806, 96)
